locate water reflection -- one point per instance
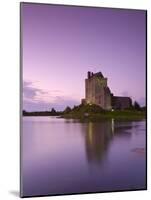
(99, 135)
(97, 138)
(65, 156)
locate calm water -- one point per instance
(64, 156)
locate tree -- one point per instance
(53, 111)
(67, 109)
(136, 105)
(24, 112)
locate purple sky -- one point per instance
(61, 43)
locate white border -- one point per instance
(9, 98)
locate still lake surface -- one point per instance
(61, 156)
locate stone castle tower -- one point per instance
(96, 90)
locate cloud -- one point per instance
(35, 99)
(29, 91)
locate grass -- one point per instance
(95, 113)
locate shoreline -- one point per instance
(96, 117)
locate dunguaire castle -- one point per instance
(97, 92)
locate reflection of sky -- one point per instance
(60, 44)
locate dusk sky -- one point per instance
(61, 43)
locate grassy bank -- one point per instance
(92, 113)
(95, 113)
(107, 115)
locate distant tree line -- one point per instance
(81, 107)
(53, 112)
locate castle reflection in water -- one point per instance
(98, 137)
